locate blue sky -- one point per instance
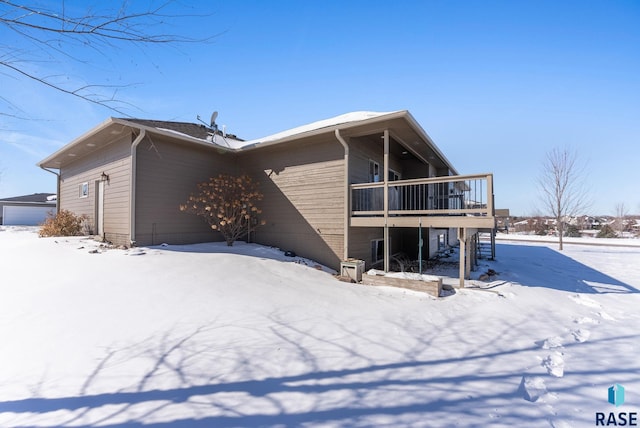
(496, 84)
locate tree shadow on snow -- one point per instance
(545, 267)
(420, 387)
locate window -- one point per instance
(442, 242)
(376, 175)
(374, 172)
(377, 250)
(83, 190)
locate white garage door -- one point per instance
(25, 216)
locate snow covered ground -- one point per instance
(207, 336)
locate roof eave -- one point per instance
(49, 161)
(423, 134)
(44, 163)
(327, 129)
(400, 114)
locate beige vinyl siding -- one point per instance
(303, 205)
(167, 172)
(360, 242)
(413, 168)
(114, 160)
(361, 150)
(360, 239)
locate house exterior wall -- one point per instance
(360, 240)
(114, 159)
(413, 168)
(303, 206)
(302, 181)
(361, 150)
(167, 172)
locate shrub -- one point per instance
(606, 231)
(228, 204)
(65, 223)
(572, 231)
(542, 230)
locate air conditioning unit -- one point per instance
(352, 268)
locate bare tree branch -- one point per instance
(79, 92)
(55, 35)
(562, 186)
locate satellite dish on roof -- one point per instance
(214, 116)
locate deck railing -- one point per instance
(451, 195)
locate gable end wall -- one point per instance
(114, 159)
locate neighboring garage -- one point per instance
(28, 210)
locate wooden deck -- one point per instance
(451, 201)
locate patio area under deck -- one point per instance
(464, 202)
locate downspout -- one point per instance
(347, 205)
(132, 188)
(57, 174)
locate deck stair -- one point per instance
(485, 249)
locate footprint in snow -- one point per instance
(581, 335)
(554, 363)
(136, 252)
(586, 320)
(532, 388)
(585, 301)
(606, 316)
(552, 342)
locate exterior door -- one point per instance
(100, 208)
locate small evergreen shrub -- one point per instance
(606, 232)
(65, 223)
(572, 231)
(542, 230)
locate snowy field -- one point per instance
(207, 336)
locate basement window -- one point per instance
(83, 190)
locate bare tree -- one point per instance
(621, 216)
(562, 186)
(47, 33)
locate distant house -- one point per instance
(362, 185)
(27, 210)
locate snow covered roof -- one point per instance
(35, 197)
(202, 135)
(356, 116)
(191, 130)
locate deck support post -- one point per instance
(387, 243)
(420, 243)
(462, 238)
(493, 244)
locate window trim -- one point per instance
(83, 190)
